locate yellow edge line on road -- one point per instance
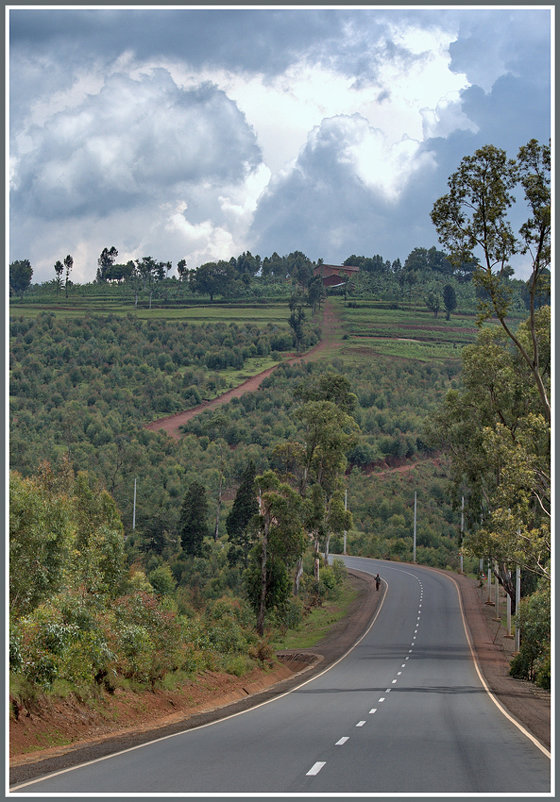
(483, 681)
(217, 721)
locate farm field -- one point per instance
(367, 331)
(258, 314)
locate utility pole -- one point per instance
(134, 508)
(497, 616)
(517, 600)
(345, 508)
(462, 530)
(414, 538)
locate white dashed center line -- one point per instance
(372, 711)
(360, 723)
(315, 768)
(342, 741)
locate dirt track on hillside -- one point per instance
(330, 326)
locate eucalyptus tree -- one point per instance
(280, 541)
(68, 264)
(499, 442)
(59, 270)
(474, 221)
(105, 262)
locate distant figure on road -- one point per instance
(377, 581)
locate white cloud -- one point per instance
(313, 137)
(131, 138)
(413, 84)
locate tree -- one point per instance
(449, 300)
(316, 293)
(193, 527)
(433, 301)
(59, 270)
(40, 543)
(338, 520)
(182, 269)
(499, 442)
(105, 262)
(280, 541)
(296, 320)
(244, 508)
(147, 269)
(473, 219)
(328, 387)
(211, 278)
(20, 276)
(68, 264)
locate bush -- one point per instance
(238, 665)
(533, 658)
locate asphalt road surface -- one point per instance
(403, 712)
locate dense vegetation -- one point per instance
(98, 588)
(81, 391)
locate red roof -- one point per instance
(335, 270)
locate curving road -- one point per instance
(403, 712)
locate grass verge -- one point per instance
(318, 623)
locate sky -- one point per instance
(201, 133)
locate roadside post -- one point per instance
(414, 537)
(497, 617)
(517, 600)
(345, 508)
(462, 531)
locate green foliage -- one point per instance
(532, 662)
(499, 442)
(193, 526)
(41, 535)
(162, 580)
(245, 507)
(449, 300)
(473, 220)
(21, 273)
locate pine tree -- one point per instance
(193, 526)
(245, 506)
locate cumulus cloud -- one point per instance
(343, 191)
(130, 139)
(200, 133)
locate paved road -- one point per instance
(403, 712)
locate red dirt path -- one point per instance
(171, 424)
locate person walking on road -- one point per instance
(377, 581)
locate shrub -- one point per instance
(533, 658)
(238, 665)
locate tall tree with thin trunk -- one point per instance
(473, 222)
(279, 529)
(68, 264)
(59, 270)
